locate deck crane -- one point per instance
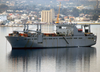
(58, 14)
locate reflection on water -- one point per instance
(53, 60)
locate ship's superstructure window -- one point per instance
(69, 38)
(47, 38)
(89, 38)
(44, 38)
(60, 27)
(75, 38)
(60, 38)
(28, 39)
(35, 38)
(80, 37)
(39, 42)
(50, 38)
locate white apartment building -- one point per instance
(47, 16)
(3, 18)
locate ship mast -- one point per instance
(24, 22)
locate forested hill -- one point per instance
(3, 7)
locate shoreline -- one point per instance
(54, 24)
(89, 23)
(9, 26)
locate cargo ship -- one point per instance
(66, 35)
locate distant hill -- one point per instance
(3, 8)
(78, 2)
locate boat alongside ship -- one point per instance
(66, 35)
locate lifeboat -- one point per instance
(49, 34)
(80, 30)
(10, 34)
(21, 34)
(25, 35)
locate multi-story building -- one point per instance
(47, 16)
(3, 18)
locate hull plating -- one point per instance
(49, 42)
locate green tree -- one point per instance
(3, 8)
(95, 17)
(64, 11)
(75, 12)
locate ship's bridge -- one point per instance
(71, 29)
(64, 29)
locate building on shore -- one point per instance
(3, 18)
(47, 16)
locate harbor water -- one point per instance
(81, 59)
